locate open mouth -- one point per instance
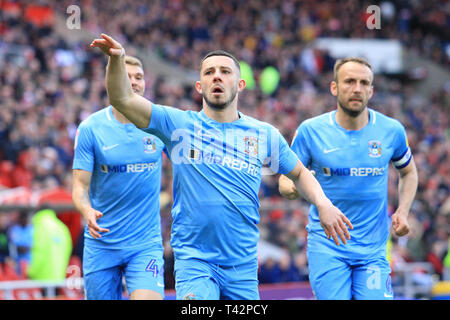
(217, 90)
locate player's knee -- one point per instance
(144, 294)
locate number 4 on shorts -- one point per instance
(153, 267)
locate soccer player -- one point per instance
(217, 155)
(116, 187)
(350, 149)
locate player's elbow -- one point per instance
(118, 96)
(410, 174)
(121, 103)
(287, 188)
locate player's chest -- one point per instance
(212, 145)
(127, 146)
(354, 150)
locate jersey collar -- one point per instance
(372, 119)
(208, 120)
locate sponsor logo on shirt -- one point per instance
(330, 150)
(354, 172)
(225, 161)
(243, 150)
(105, 148)
(129, 168)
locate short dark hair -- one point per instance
(221, 53)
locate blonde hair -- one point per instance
(341, 62)
(133, 61)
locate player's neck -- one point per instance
(119, 117)
(352, 123)
(228, 114)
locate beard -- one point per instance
(221, 105)
(352, 112)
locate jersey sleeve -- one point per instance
(164, 121)
(300, 145)
(402, 152)
(84, 156)
(283, 159)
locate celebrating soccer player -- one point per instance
(116, 187)
(217, 156)
(350, 149)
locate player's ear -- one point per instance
(241, 84)
(371, 92)
(198, 87)
(333, 88)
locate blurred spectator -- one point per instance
(61, 194)
(288, 270)
(446, 272)
(4, 242)
(21, 240)
(301, 263)
(6, 168)
(52, 247)
(269, 271)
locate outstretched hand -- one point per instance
(91, 219)
(334, 223)
(108, 45)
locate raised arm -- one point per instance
(133, 106)
(332, 220)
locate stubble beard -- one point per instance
(351, 112)
(220, 105)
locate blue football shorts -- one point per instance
(103, 270)
(199, 280)
(335, 275)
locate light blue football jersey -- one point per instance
(217, 169)
(126, 179)
(352, 168)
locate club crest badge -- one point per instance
(374, 149)
(149, 144)
(251, 146)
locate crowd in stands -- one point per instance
(49, 84)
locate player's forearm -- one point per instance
(310, 189)
(407, 187)
(118, 84)
(133, 106)
(81, 200)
